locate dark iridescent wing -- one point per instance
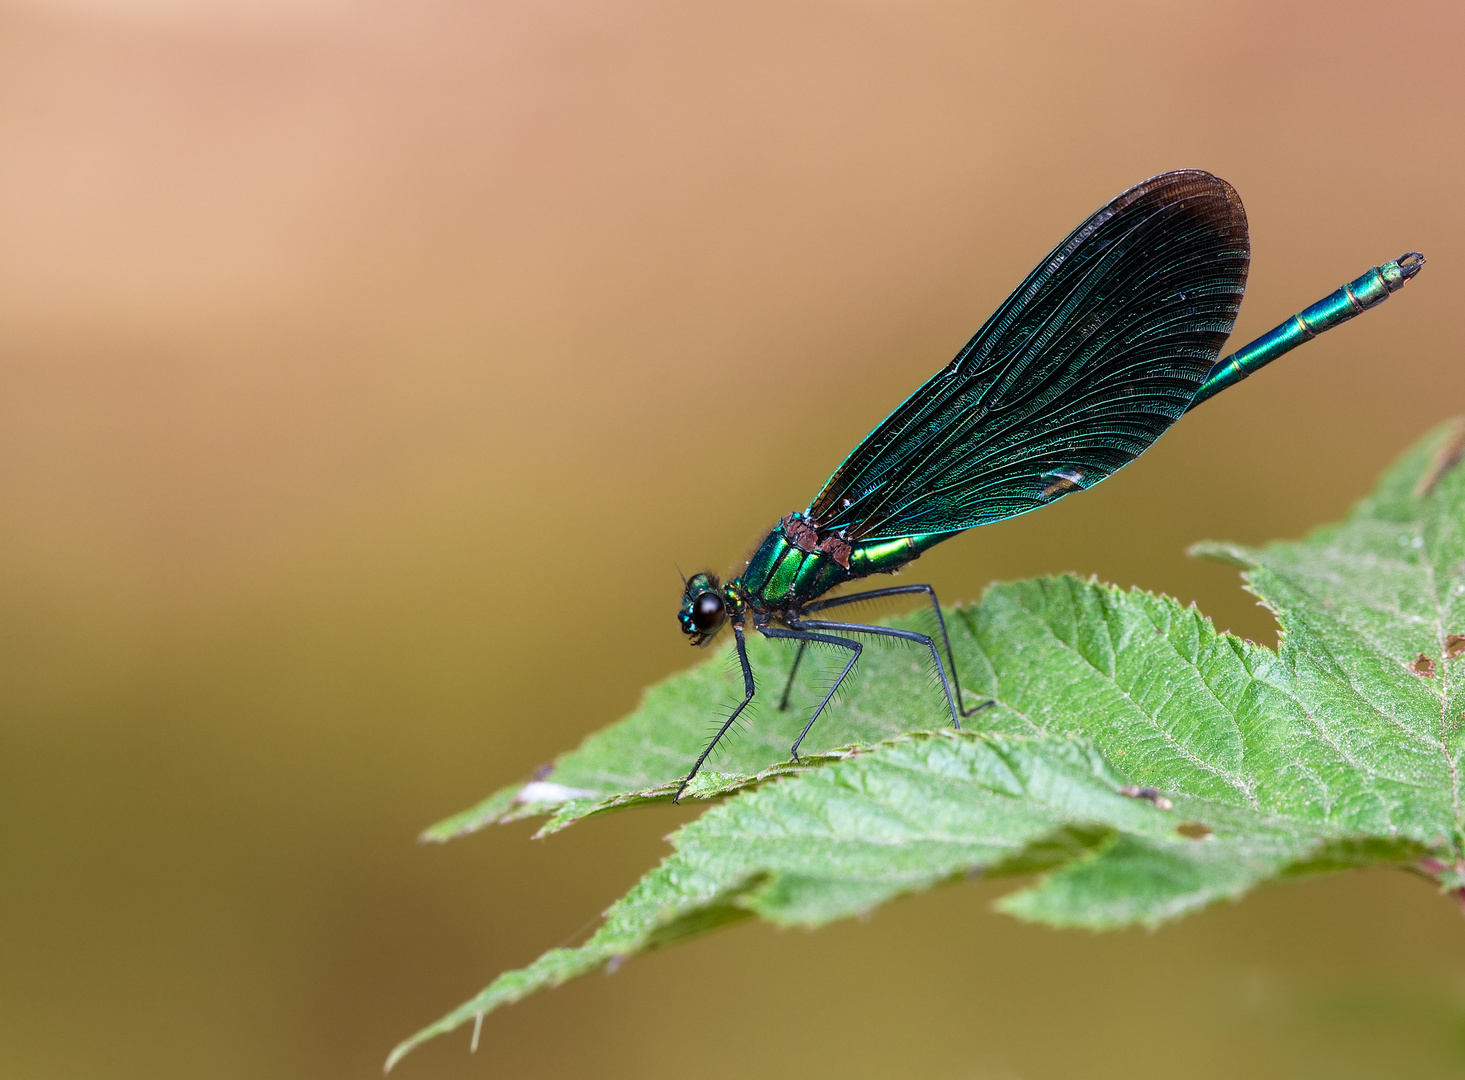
(1085, 365)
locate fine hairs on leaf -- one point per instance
(1137, 765)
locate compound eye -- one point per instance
(707, 612)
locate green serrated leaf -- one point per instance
(1143, 763)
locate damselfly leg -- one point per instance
(878, 594)
(803, 636)
(882, 631)
(748, 687)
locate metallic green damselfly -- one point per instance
(1107, 343)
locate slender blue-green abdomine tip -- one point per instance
(1370, 290)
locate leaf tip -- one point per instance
(1446, 456)
(1232, 554)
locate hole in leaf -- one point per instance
(1193, 830)
(1423, 666)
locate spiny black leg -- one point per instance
(905, 590)
(748, 687)
(890, 631)
(804, 636)
(783, 701)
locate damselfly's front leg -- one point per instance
(749, 689)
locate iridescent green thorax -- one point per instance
(781, 575)
(797, 563)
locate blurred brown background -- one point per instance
(365, 368)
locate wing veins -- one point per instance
(1098, 355)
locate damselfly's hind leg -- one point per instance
(789, 685)
(748, 688)
(902, 590)
(904, 635)
(803, 637)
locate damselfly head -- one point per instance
(703, 609)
